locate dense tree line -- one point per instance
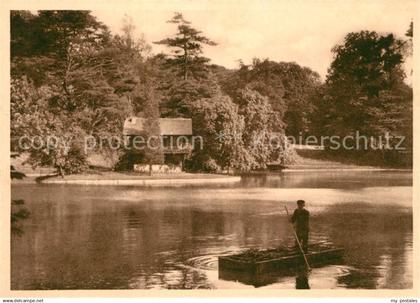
(72, 77)
(365, 92)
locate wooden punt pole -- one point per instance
(297, 240)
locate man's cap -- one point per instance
(300, 202)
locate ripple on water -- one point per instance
(207, 262)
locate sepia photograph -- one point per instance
(239, 145)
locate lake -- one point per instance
(114, 237)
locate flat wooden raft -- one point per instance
(264, 261)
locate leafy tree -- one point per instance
(187, 46)
(370, 61)
(77, 77)
(54, 42)
(261, 136)
(218, 122)
(53, 32)
(79, 60)
(101, 92)
(364, 65)
(179, 96)
(288, 86)
(365, 90)
(127, 53)
(32, 118)
(237, 133)
(258, 76)
(128, 40)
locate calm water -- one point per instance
(84, 237)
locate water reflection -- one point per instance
(300, 275)
(84, 237)
(302, 280)
(329, 179)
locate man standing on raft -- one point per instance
(300, 219)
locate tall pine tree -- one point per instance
(187, 48)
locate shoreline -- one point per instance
(184, 179)
(287, 170)
(141, 180)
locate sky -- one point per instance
(293, 31)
